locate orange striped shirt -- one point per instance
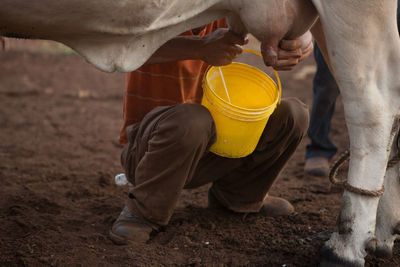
(164, 84)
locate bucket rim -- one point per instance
(204, 82)
(241, 117)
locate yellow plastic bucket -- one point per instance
(240, 108)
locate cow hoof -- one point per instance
(383, 252)
(330, 259)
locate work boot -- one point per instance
(272, 207)
(317, 166)
(130, 229)
(276, 206)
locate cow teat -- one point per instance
(271, 21)
(270, 54)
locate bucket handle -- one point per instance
(275, 72)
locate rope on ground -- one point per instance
(343, 183)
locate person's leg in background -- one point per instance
(325, 91)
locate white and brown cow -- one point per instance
(362, 46)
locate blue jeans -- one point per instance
(325, 92)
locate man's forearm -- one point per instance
(218, 48)
(178, 48)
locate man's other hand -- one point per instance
(291, 52)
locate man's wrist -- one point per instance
(200, 47)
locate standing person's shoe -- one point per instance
(317, 166)
(272, 207)
(130, 229)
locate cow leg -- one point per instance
(357, 218)
(364, 56)
(388, 215)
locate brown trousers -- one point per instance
(168, 151)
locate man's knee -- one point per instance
(294, 115)
(190, 124)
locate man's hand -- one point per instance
(291, 52)
(219, 48)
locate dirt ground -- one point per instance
(60, 119)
